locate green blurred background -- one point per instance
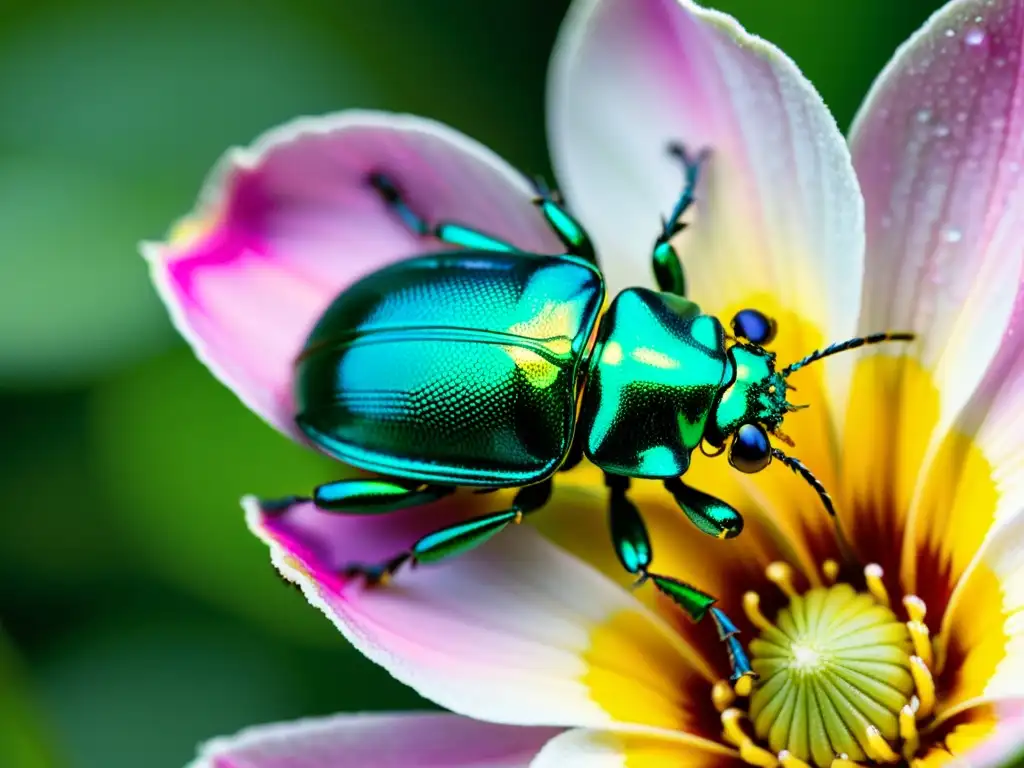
(137, 617)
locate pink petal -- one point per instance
(1004, 747)
(939, 147)
(382, 741)
(779, 212)
(515, 631)
(285, 225)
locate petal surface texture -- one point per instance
(515, 631)
(939, 147)
(383, 741)
(283, 226)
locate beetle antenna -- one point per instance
(843, 346)
(798, 466)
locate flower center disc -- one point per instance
(835, 672)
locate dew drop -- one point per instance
(924, 115)
(974, 36)
(952, 234)
(950, 33)
(940, 131)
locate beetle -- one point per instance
(489, 367)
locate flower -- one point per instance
(916, 656)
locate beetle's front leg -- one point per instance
(572, 234)
(709, 513)
(633, 547)
(668, 269)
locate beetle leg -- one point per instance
(633, 548)
(445, 231)
(709, 513)
(376, 496)
(668, 269)
(572, 234)
(457, 538)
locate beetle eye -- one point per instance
(754, 326)
(750, 450)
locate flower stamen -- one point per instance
(749, 751)
(789, 760)
(925, 685)
(781, 575)
(873, 576)
(908, 732)
(722, 695)
(919, 633)
(877, 747)
(752, 607)
(830, 570)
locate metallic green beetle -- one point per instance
(476, 367)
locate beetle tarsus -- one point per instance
(377, 575)
(691, 170)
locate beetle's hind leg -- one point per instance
(668, 269)
(633, 547)
(453, 539)
(445, 231)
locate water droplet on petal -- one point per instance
(940, 131)
(950, 33)
(952, 234)
(974, 36)
(924, 115)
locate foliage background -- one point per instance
(137, 618)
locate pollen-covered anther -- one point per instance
(873, 576)
(919, 633)
(722, 695)
(830, 570)
(781, 575)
